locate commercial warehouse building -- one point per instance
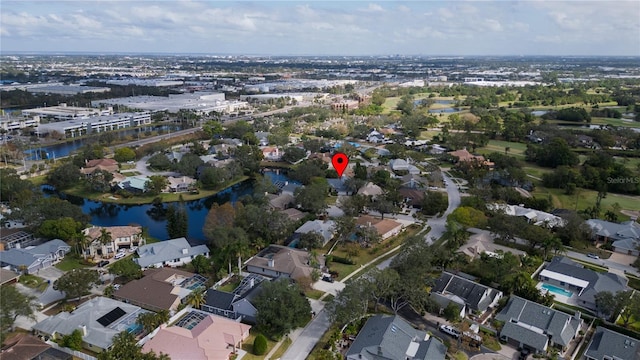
(200, 102)
(64, 112)
(95, 124)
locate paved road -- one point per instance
(304, 343)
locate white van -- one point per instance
(450, 330)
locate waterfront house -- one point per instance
(172, 253)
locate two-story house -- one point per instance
(106, 241)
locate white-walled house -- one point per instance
(174, 252)
(122, 237)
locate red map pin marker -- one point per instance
(340, 162)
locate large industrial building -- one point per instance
(200, 102)
(63, 112)
(68, 89)
(95, 124)
(11, 122)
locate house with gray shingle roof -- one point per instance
(607, 345)
(175, 252)
(391, 337)
(326, 228)
(471, 297)
(583, 283)
(624, 237)
(32, 259)
(537, 327)
(99, 320)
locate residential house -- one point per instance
(271, 153)
(624, 237)
(403, 166)
(280, 261)
(375, 137)
(280, 202)
(34, 258)
(99, 320)
(237, 304)
(212, 338)
(8, 277)
(263, 137)
(294, 214)
(471, 297)
(174, 252)
(370, 189)
(108, 165)
(120, 237)
(609, 345)
(160, 289)
(536, 327)
(465, 156)
(180, 184)
(535, 217)
(338, 186)
(581, 282)
(134, 184)
(412, 197)
(28, 347)
(386, 228)
(326, 229)
(482, 243)
(390, 337)
(413, 181)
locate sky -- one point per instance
(262, 27)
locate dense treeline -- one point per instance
(573, 114)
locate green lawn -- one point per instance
(314, 294)
(630, 163)
(390, 104)
(615, 122)
(634, 324)
(535, 170)
(230, 285)
(71, 262)
(585, 198)
(282, 349)
(34, 282)
(248, 347)
(516, 149)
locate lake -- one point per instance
(151, 216)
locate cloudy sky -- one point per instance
(508, 27)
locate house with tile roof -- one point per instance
(99, 320)
(174, 252)
(537, 327)
(465, 156)
(108, 165)
(386, 228)
(122, 237)
(609, 345)
(390, 337)
(213, 338)
(471, 297)
(34, 258)
(278, 261)
(159, 289)
(582, 282)
(624, 237)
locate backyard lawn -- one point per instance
(584, 198)
(516, 149)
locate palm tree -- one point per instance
(196, 298)
(81, 242)
(162, 316)
(105, 237)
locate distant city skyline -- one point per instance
(430, 28)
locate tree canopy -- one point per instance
(281, 308)
(77, 282)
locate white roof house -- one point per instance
(533, 216)
(173, 253)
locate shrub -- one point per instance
(260, 345)
(342, 260)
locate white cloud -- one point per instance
(374, 8)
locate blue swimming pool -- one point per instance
(134, 328)
(557, 290)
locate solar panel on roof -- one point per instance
(111, 316)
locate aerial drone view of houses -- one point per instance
(323, 207)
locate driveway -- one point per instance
(331, 288)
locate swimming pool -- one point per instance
(557, 290)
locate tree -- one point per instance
(73, 341)
(249, 157)
(211, 177)
(126, 268)
(605, 303)
(452, 312)
(202, 264)
(159, 162)
(383, 283)
(65, 228)
(100, 181)
(384, 206)
(312, 197)
(468, 217)
(156, 184)
(350, 303)
(293, 154)
(125, 346)
(196, 298)
(77, 282)
(434, 202)
(64, 176)
(627, 306)
(13, 304)
(219, 216)
(281, 308)
(305, 171)
(312, 145)
(406, 105)
(260, 345)
(353, 205)
(124, 154)
(189, 164)
(177, 221)
(311, 240)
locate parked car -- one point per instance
(593, 256)
(103, 263)
(133, 249)
(327, 279)
(120, 255)
(450, 330)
